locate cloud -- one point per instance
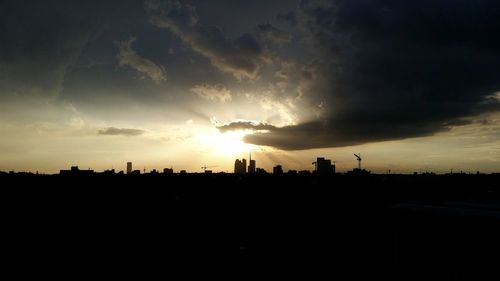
(214, 93)
(281, 107)
(112, 131)
(385, 71)
(242, 57)
(272, 34)
(128, 56)
(318, 134)
(290, 17)
(40, 41)
(246, 125)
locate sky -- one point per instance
(410, 85)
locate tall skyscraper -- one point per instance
(239, 166)
(244, 163)
(251, 166)
(129, 168)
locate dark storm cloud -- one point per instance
(271, 33)
(290, 17)
(36, 47)
(394, 69)
(112, 131)
(242, 57)
(41, 39)
(246, 125)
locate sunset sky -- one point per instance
(411, 85)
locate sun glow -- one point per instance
(226, 144)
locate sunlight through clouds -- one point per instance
(226, 144)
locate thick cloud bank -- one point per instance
(390, 70)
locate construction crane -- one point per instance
(358, 156)
(206, 167)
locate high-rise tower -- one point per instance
(252, 164)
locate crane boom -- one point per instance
(358, 156)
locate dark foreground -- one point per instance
(161, 227)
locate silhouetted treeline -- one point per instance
(159, 227)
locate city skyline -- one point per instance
(321, 166)
(193, 83)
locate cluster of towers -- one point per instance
(240, 167)
(321, 166)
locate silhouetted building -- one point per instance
(208, 171)
(324, 166)
(244, 163)
(109, 172)
(358, 172)
(278, 170)
(129, 168)
(240, 166)
(183, 172)
(136, 172)
(252, 165)
(168, 170)
(260, 171)
(237, 167)
(75, 171)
